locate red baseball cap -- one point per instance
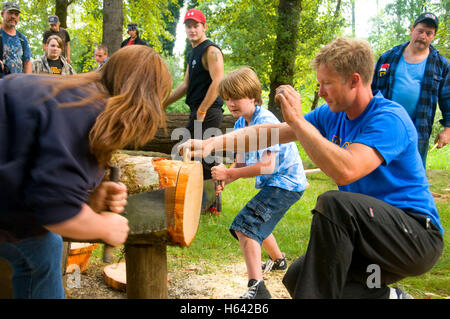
(196, 15)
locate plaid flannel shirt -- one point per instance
(435, 89)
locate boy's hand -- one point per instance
(220, 186)
(219, 172)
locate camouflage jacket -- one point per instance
(40, 65)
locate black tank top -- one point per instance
(199, 78)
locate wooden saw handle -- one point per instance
(186, 155)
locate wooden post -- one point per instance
(146, 271)
(6, 272)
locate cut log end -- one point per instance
(115, 276)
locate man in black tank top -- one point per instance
(204, 72)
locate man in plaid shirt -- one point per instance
(417, 77)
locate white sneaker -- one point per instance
(397, 293)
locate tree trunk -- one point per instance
(61, 11)
(112, 24)
(316, 98)
(283, 67)
(171, 26)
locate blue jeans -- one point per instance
(262, 213)
(37, 266)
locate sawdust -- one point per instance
(191, 282)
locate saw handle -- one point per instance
(186, 155)
(114, 173)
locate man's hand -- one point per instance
(109, 196)
(443, 138)
(116, 229)
(290, 101)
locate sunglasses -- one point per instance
(132, 28)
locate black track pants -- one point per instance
(353, 237)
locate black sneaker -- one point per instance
(277, 264)
(256, 290)
(397, 293)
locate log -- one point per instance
(170, 217)
(115, 276)
(136, 172)
(164, 143)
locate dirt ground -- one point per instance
(192, 282)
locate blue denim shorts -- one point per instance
(262, 213)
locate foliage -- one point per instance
(85, 25)
(249, 34)
(34, 21)
(177, 77)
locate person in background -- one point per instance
(417, 77)
(56, 29)
(204, 71)
(52, 62)
(101, 55)
(279, 177)
(134, 38)
(15, 53)
(57, 136)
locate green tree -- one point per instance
(284, 54)
(171, 26)
(248, 34)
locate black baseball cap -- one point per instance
(53, 19)
(132, 26)
(8, 6)
(427, 16)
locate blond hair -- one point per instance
(347, 56)
(134, 85)
(239, 84)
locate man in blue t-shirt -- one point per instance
(16, 53)
(382, 225)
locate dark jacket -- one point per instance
(138, 40)
(46, 168)
(435, 89)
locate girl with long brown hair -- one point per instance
(57, 136)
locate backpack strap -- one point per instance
(1, 45)
(22, 42)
